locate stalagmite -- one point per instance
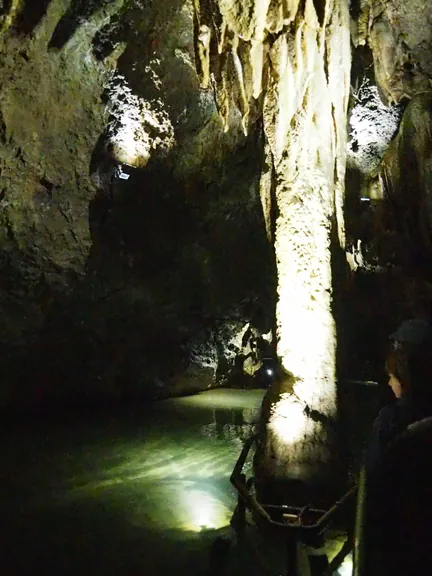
(300, 56)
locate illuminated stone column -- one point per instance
(294, 58)
(305, 122)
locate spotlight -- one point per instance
(267, 373)
(124, 171)
(205, 511)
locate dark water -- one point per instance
(144, 494)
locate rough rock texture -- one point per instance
(400, 35)
(393, 45)
(407, 173)
(51, 117)
(141, 288)
(372, 126)
(387, 214)
(105, 281)
(290, 61)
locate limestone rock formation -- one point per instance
(290, 62)
(400, 36)
(407, 173)
(145, 209)
(106, 280)
(372, 126)
(388, 221)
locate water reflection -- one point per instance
(147, 494)
(173, 473)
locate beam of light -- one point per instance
(138, 128)
(171, 478)
(204, 511)
(190, 495)
(288, 420)
(347, 567)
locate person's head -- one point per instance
(409, 361)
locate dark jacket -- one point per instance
(391, 421)
(381, 514)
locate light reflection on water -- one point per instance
(174, 472)
(146, 494)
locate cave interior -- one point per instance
(200, 195)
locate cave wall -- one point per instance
(407, 176)
(290, 63)
(399, 34)
(388, 184)
(107, 283)
(102, 279)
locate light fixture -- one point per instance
(205, 511)
(124, 171)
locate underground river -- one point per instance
(142, 493)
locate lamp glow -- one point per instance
(346, 568)
(288, 420)
(138, 127)
(205, 511)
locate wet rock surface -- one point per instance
(106, 280)
(399, 34)
(110, 285)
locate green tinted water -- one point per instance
(146, 494)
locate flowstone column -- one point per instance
(292, 60)
(305, 122)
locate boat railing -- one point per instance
(299, 524)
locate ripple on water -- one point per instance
(174, 476)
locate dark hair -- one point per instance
(412, 366)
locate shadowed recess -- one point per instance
(320, 10)
(5, 6)
(355, 8)
(106, 38)
(78, 11)
(30, 15)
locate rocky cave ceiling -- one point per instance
(104, 279)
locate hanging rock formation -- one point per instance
(387, 210)
(290, 62)
(106, 283)
(407, 175)
(400, 35)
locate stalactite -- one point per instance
(266, 187)
(204, 39)
(9, 18)
(303, 100)
(240, 80)
(364, 22)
